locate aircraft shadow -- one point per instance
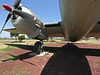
(26, 47)
(22, 56)
(67, 60)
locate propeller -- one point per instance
(1, 7)
(16, 3)
(24, 14)
(8, 8)
(8, 17)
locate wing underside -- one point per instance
(51, 30)
(95, 32)
(12, 30)
(54, 29)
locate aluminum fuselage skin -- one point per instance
(79, 17)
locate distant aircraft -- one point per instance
(80, 18)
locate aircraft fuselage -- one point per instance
(79, 17)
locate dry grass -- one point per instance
(31, 42)
(2, 45)
(91, 41)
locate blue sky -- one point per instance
(44, 9)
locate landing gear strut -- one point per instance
(38, 47)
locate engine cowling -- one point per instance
(31, 26)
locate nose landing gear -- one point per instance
(38, 47)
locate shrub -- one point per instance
(21, 37)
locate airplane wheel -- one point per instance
(38, 47)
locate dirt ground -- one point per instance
(63, 59)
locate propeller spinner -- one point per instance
(7, 7)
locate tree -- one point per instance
(20, 38)
(14, 35)
(97, 38)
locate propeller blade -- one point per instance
(8, 17)
(16, 3)
(23, 14)
(1, 7)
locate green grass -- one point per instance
(9, 70)
(9, 58)
(47, 53)
(9, 48)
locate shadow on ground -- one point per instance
(22, 56)
(26, 47)
(67, 60)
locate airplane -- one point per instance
(79, 18)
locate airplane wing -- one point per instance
(54, 29)
(51, 30)
(12, 30)
(95, 32)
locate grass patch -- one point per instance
(9, 58)
(2, 45)
(7, 73)
(47, 53)
(9, 48)
(9, 70)
(16, 71)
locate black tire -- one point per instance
(37, 47)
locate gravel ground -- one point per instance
(63, 59)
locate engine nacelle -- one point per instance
(31, 27)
